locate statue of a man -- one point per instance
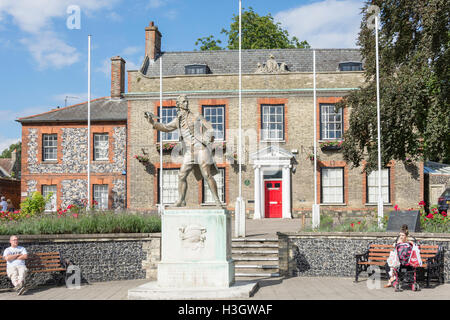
(197, 136)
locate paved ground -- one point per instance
(296, 288)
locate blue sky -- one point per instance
(43, 61)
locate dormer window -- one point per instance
(196, 69)
(350, 66)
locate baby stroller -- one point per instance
(406, 273)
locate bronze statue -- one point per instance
(197, 135)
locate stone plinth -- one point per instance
(196, 260)
(196, 249)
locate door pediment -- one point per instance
(274, 155)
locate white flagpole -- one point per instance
(89, 128)
(380, 196)
(160, 138)
(316, 207)
(240, 205)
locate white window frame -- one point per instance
(372, 186)
(100, 194)
(272, 122)
(330, 128)
(51, 205)
(332, 185)
(220, 181)
(101, 146)
(168, 114)
(49, 147)
(170, 185)
(216, 116)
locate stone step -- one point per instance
(261, 252)
(253, 245)
(256, 266)
(255, 258)
(254, 240)
(240, 274)
(253, 262)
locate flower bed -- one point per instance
(330, 145)
(76, 220)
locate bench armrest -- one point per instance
(362, 257)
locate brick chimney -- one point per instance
(152, 41)
(117, 77)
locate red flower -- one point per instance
(422, 203)
(430, 216)
(75, 215)
(396, 207)
(444, 213)
(352, 225)
(359, 222)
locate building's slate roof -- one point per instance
(227, 61)
(6, 167)
(103, 109)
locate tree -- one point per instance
(414, 85)
(258, 32)
(15, 146)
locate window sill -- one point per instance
(211, 204)
(376, 204)
(49, 162)
(333, 204)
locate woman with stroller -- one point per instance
(404, 249)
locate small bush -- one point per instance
(33, 205)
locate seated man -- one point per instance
(16, 270)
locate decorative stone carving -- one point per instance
(193, 236)
(272, 66)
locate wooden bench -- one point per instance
(377, 255)
(40, 262)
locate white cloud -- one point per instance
(129, 51)
(153, 4)
(35, 18)
(11, 115)
(324, 24)
(50, 51)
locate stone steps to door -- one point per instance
(255, 257)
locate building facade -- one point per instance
(278, 114)
(54, 150)
(278, 129)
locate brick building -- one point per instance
(278, 129)
(54, 150)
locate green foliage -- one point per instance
(86, 223)
(414, 85)
(258, 32)
(15, 146)
(34, 204)
(208, 43)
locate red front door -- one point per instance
(272, 198)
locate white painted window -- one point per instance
(170, 185)
(216, 116)
(330, 122)
(168, 114)
(372, 186)
(332, 185)
(101, 146)
(51, 204)
(220, 181)
(272, 124)
(49, 147)
(101, 196)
